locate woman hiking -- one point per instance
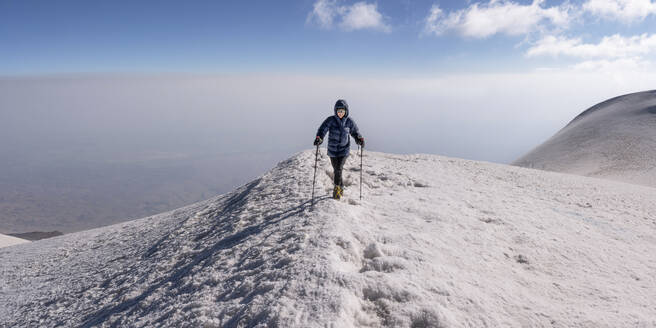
(339, 127)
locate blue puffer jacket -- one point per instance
(339, 143)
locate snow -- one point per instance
(615, 140)
(10, 240)
(435, 242)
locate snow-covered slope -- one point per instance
(436, 242)
(615, 139)
(10, 240)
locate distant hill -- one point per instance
(615, 139)
(36, 235)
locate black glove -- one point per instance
(318, 141)
(360, 141)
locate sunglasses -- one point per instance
(341, 110)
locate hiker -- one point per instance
(339, 127)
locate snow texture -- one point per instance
(435, 242)
(615, 139)
(10, 240)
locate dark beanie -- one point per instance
(341, 103)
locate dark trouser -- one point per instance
(338, 165)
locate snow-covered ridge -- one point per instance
(436, 242)
(615, 139)
(10, 240)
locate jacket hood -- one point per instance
(341, 103)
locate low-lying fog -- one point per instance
(89, 150)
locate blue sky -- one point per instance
(382, 38)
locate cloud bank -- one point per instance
(469, 116)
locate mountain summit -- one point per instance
(435, 242)
(615, 139)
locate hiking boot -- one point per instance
(337, 192)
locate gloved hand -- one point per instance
(318, 141)
(360, 141)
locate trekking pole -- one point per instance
(361, 152)
(316, 158)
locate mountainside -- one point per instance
(615, 139)
(10, 240)
(435, 242)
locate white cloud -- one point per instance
(361, 15)
(613, 53)
(627, 11)
(610, 47)
(324, 12)
(498, 17)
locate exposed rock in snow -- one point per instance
(37, 235)
(10, 240)
(435, 242)
(615, 139)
